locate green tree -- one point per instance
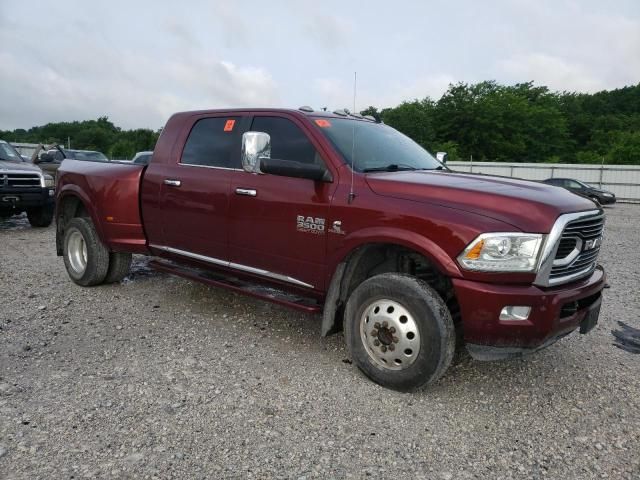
(626, 149)
(414, 119)
(122, 150)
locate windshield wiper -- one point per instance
(394, 167)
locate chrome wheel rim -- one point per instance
(390, 334)
(77, 252)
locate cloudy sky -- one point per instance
(138, 61)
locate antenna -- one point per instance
(352, 195)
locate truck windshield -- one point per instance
(372, 147)
(9, 154)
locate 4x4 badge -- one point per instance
(336, 227)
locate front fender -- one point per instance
(345, 259)
(395, 236)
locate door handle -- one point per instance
(250, 192)
(172, 182)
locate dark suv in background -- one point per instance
(603, 197)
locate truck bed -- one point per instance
(110, 192)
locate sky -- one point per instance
(139, 61)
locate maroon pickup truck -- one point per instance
(341, 215)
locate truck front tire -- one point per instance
(399, 331)
(40, 217)
(85, 257)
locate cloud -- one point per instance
(133, 90)
(432, 86)
(328, 30)
(567, 45)
(139, 67)
(555, 72)
(232, 20)
(335, 93)
(181, 31)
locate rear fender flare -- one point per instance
(71, 190)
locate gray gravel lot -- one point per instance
(160, 377)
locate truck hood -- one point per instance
(529, 206)
(19, 167)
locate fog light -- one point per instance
(515, 313)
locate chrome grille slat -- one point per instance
(575, 266)
(586, 229)
(17, 180)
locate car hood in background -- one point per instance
(597, 190)
(20, 167)
(530, 206)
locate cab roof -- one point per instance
(291, 111)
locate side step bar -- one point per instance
(270, 294)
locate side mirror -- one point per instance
(290, 168)
(44, 158)
(255, 146)
(442, 157)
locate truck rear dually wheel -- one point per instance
(399, 331)
(119, 266)
(85, 257)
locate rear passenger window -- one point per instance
(211, 143)
(288, 141)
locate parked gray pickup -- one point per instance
(24, 188)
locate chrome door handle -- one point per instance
(250, 192)
(172, 182)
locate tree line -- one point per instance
(486, 121)
(523, 123)
(101, 135)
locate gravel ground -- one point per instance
(160, 377)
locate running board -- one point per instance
(270, 294)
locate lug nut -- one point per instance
(392, 329)
(383, 348)
(395, 339)
(392, 347)
(376, 343)
(385, 324)
(377, 324)
(374, 332)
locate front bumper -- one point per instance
(20, 199)
(555, 312)
(606, 200)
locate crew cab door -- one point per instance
(278, 225)
(194, 190)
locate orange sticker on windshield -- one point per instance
(323, 123)
(229, 125)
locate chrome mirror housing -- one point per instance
(442, 157)
(255, 145)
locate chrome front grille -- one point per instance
(19, 180)
(578, 249)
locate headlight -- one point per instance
(503, 252)
(49, 182)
